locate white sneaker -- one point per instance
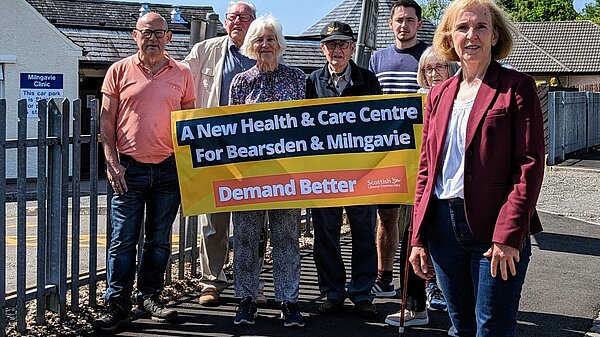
(411, 318)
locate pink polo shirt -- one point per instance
(145, 105)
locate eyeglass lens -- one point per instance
(147, 33)
(439, 68)
(243, 17)
(333, 45)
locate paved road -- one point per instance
(560, 298)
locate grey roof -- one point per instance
(110, 46)
(103, 29)
(304, 54)
(349, 12)
(113, 15)
(107, 47)
(563, 46)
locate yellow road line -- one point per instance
(84, 241)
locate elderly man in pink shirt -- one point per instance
(140, 92)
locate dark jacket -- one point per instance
(364, 82)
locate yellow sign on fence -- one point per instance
(298, 154)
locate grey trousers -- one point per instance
(284, 225)
(213, 250)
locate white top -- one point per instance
(450, 182)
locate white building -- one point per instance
(36, 59)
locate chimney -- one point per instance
(176, 15)
(144, 9)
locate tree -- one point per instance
(544, 10)
(591, 12)
(508, 5)
(433, 10)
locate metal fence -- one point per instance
(56, 200)
(57, 150)
(573, 123)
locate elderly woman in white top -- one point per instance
(268, 81)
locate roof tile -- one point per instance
(349, 11)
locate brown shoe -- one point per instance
(331, 307)
(209, 297)
(366, 309)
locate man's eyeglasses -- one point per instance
(439, 68)
(147, 33)
(331, 45)
(243, 17)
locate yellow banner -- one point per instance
(299, 154)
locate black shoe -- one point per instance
(331, 307)
(115, 316)
(291, 315)
(366, 309)
(151, 307)
(246, 312)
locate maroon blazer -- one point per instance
(504, 157)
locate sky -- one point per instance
(295, 15)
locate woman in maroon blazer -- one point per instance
(480, 173)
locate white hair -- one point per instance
(256, 29)
(245, 3)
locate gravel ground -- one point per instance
(572, 193)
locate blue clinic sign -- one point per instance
(36, 86)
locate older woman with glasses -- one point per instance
(268, 81)
(481, 171)
(433, 70)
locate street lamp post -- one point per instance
(367, 31)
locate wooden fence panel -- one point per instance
(593, 119)
(574, 108)
(542, 91)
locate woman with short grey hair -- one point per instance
(268, 81)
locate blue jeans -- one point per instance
(154, 186)
(478, 304)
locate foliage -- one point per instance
(591, 12)
(543, 10)
(508, 5)
(524, 10)
(433, 10)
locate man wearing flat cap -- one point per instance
(342, 77)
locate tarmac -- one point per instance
(589, 161)
(561, 295)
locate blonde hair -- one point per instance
(500, 22)
(258, 27)
(428, 53)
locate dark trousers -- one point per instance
(328, 256)
(152, 188)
